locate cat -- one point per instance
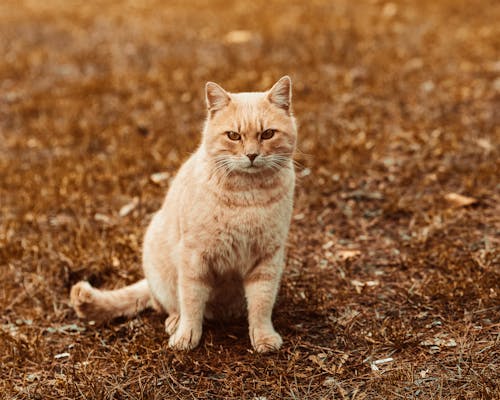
(216, 248)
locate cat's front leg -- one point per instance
(193, 295)
(261, 286)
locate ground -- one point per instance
(391, 289)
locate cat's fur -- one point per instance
(218, 242)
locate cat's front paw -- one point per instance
(185, 338)
(266, 341)
(171, 324)
(82, 299)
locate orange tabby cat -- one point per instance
(217, 244)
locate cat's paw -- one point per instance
(171, 324)
(82, 298)
(185, 338)
(266, 341)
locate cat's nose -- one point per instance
(252, 156)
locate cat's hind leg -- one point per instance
(100, 305)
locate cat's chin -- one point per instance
(255, 169)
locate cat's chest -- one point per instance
(236, 228)
(252, 213)
(249, 226)
(241, 237)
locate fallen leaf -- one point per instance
(115, 261)
(328, 244)
(346, 254)
(60, 220)
(458, 200)
(102, 218)
(427, 86)
(128, 208)
(358, 285)
(238, 36)
(486, 143)
(159, 177)
(439, 341)
(423, 373)
(298, 217)
(389, 10)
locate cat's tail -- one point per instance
(100, 305)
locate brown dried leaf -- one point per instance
(238, 36)
(159, 177)
(457, 200)
(346, 254)
(128, 208)
(102, 218)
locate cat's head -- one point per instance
(250, 132)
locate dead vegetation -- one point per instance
(392, 283)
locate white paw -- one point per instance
(171, 324)
(185, 338)
(265, 341)
(82, 299)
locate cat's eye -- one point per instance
(267, 134)
(233, 135)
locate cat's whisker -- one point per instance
(224, 168)
(220, 167)
(275, 166)
(284, 159)
(299, 151)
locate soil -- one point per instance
(391, 289)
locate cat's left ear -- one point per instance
(216, 97)
(281, 93)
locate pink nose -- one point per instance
(252, 156)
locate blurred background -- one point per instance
(397, 201)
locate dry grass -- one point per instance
(398, 105)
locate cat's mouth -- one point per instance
(253, 167)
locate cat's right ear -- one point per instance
(216, 97)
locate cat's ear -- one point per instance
(281, 93)
(216, 97)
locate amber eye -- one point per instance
(268, 134)
(233, 135)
